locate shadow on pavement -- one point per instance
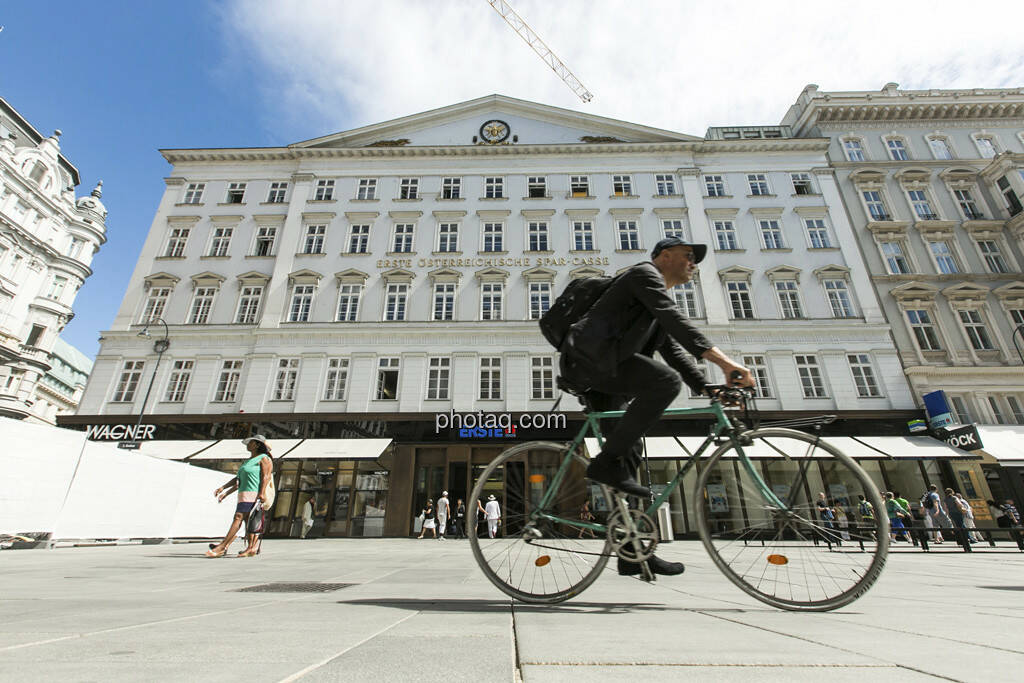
(483, 605)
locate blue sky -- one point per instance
(123, 78)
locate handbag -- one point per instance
(271, 490)
(256, 520)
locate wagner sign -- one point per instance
(119, 432)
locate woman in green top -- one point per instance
(251, 482)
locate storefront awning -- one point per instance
(173, 450)
(918, 447)
(1005, 444)
(339, 449)
(232, 449)
(859, 448)
(661, 447)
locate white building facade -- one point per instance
(364, 282)
(48, 239)
(932, 181)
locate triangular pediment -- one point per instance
(914, 290)
(966, 290)
(524, 123)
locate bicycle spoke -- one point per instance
(790, 557)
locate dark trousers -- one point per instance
(648, 386)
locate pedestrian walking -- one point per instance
(308, 510)
(459, 521)
(842, 520)
(935, 516)
(956, 512)
(251, 482)
(481, 518)
(493, 512)
(1010, 510)
(586, 516)
(968, 518)
(428, 516)
(828, 518)
(896, 513)
(998, 516)
(443, 510)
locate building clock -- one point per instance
(494, 131)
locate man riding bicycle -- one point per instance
(608, 356)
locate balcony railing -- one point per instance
(880, 216)
(972, 215)
(927, 217)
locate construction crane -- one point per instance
(543, 51)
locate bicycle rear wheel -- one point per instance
(532, 558)
(791, 557)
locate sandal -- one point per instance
(213, 553)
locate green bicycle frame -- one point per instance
(592, 425)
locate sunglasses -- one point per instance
(691, 257)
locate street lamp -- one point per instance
(160, 346)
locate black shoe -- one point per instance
(609, 470)
(655, 564)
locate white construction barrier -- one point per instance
(54, 481)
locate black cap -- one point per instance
(699, 250)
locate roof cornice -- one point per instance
(175, 156)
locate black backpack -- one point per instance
(927, 501)
(571, 306)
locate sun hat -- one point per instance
(490, 497)
(256, 437)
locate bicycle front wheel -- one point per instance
(808, 553)
(537, 554)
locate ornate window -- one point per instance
(277, 193)
(409, 188)
(236, 193)
(897, 149)
(853, 149)
(336, 379)
(758, 183)
(447, 237)
(444, 301)
(387, 379)
(537, 236)
(249, 304)
(266, 237)
(403, 241)
(202, 303)
(863, 375)
(314, 242)
(582, 236)
(194, 193)
(490, 378)
(759, 371)
(494, 187)
(301, 304)
(939, 145)
(817, 233)
(349, 294)
(725, 236)
(494, 237)
(220, 241)
(629, 235)
(227, 382)
(622, 185)
(396, 297)
(811, 382)
(286, 379)
(665, 184)
(542, 378)
(324, 190)
(177, 384)
(451, 188)
(358, 239)
(367, 189)
(131, 373)
(714, 186)
(439, 378)
(176, 241)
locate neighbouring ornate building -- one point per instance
(48, 239)
(385, 282)
(932, 181)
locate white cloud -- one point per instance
(329, 65)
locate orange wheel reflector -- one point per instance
(778, 559)
(542, 560)
(536, 478)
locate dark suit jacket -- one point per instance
(636, 315)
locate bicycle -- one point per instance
(767, 534)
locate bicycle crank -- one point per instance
(633, 535)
